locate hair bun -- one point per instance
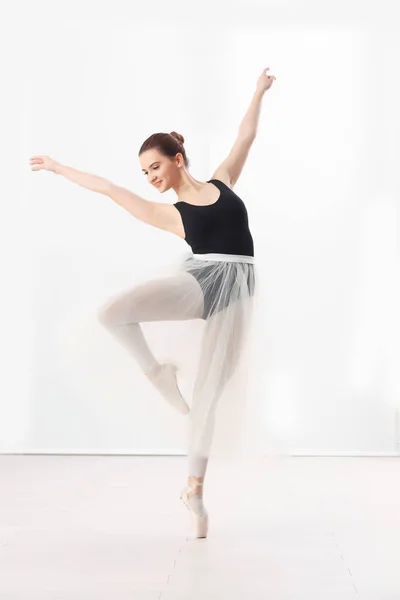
(178, 137)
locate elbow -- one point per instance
(109, 188)
(247, 134)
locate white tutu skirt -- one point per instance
(215, 299)
(217, 420)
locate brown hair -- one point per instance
(169, 144)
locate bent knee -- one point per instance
(105, 315)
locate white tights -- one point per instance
(175, 298)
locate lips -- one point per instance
(158, 183)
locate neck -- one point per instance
(188, 187)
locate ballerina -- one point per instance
(215, 284)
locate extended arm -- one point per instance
(86, 180)
(156, 214)
(248, 126)
(230, 169)
(153, 213)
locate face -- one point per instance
(159, 168)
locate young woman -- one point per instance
(215, 284)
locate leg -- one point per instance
(174, 298)
(221, 350)
(222, 345)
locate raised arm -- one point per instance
(162, 216)
(230, 169)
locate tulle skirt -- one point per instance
(204, 313)
(218, 403)
(217, 296)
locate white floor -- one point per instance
(96, 528)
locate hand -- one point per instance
(43, 162)
(265, 81)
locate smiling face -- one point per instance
(159, 168)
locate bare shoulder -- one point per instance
(223, 175)
(157, 214)
(168, 217)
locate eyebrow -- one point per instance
(151, 165)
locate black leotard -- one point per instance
(221, 227)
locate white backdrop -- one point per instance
(87, 87)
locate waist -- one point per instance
(225, 257)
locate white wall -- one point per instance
(321, 187)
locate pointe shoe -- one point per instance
(164, 379)
(198, 512)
